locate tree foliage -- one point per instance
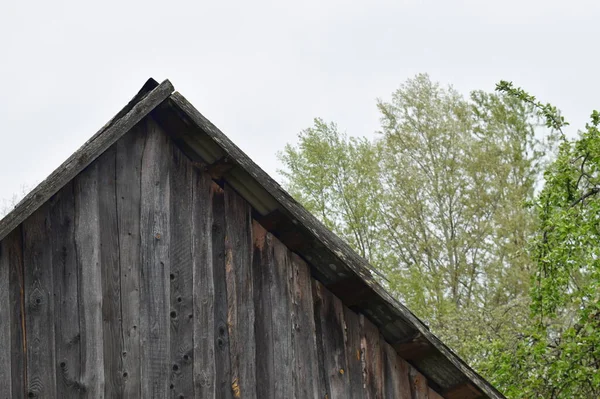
(558, 356)
(435, 202)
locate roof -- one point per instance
(332, 261)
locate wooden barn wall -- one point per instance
(143, 278)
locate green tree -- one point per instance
(559, 355)
(435, 203)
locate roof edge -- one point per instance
(148, 98)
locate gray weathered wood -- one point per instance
(306, 374)
(204, 312)
(397, 384)
(5, 322)
(111, 273)
(262, 272)
(135, 111)
(372, 358)
(87, 244)
(329, 320)
(66, 288)
(181, 276)
(128, 172)
(222, 360)
(281, 300)
(349, 263)
(13, 251)
(39, 304)
(240, 295)
(155, 241)
(354, 354)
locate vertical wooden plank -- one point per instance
(39, 304)
(87, 244)
(5, 317)
(13, 251)
(66, 288)
(181, 276)
(372, 359)
(354, 354)
(272, 304)
(281, 300)
(154, 292)
(262, 273)
(110, 274)
(41, 374)
(240, 295)
(307, 383)
(329, 321)
(128, 171)
(397, 384)
(222, 360)
(204, 312)
(418, 385)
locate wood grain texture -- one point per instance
(39, 304)
(240, 295)
(273, 307)
(354, 354)
(396, 374)
(181, 276)
(154, 284)
(203, 304)
(135, 111)
(5, 323)
(128, 174)
(347, 262)
(418, 385)
(222, 360)
(66, 288)
(329, 321)
(114, 374)
(87, 244)
(434, 395)
(12, 252)
(307, 383)
(372, 359)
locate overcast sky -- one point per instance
(262, 70)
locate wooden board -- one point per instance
(66, 288)
(240, 295)
(354, 355)
(39, 289)
(114, 373)
(372, 359)
(307, 383)
(396, 374)
(222, 360)
(329, 322)
(5, 316)
(272, 303)
(418, 385)
(128, 174)
(181, 276)
(155, 273)
(12, 255)
(203, 304)
(89, 269)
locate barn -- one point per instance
(159, 261)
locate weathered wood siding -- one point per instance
(143, 278)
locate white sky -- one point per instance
(262, 70)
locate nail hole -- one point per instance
(175, 367)
(125, 374)
(63, 364)
(186, 357)
(179, 299)
(171, 386)
(173, 314)
(172, 276)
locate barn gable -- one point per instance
(187, 270)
